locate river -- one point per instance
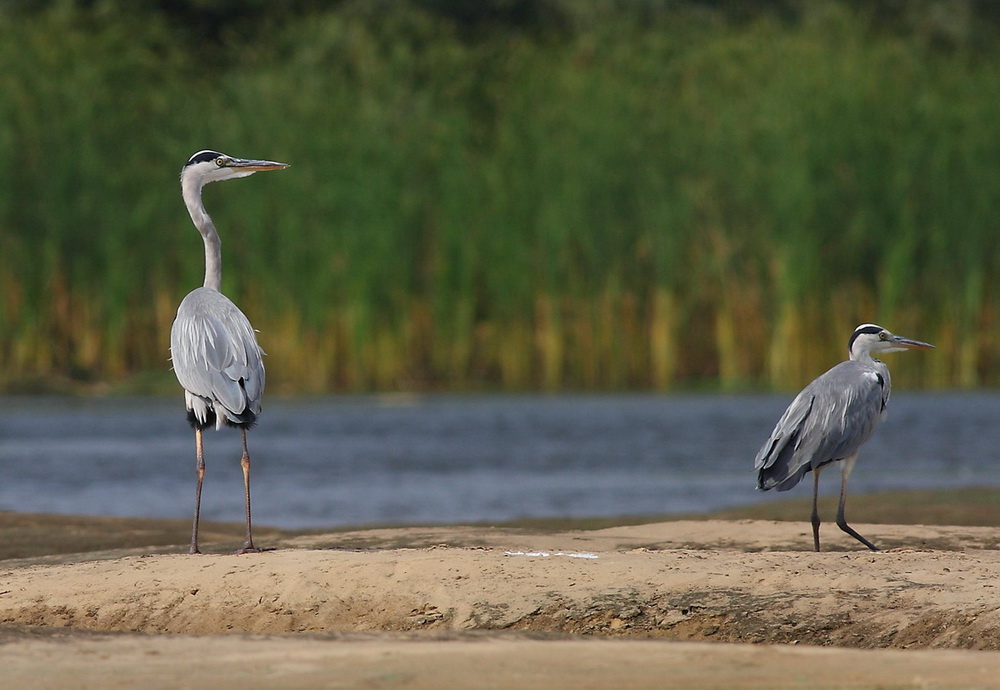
(362, 460)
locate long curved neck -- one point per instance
(191, 191)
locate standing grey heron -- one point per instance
(214, 351)
(831, 419)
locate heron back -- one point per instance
(217, 360)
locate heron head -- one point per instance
(869, 338)
(212, 166)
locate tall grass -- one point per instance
(623, 205)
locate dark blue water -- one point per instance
(361, 460)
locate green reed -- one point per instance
(621, 205)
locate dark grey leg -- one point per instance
(815, 513)
(841, 520)
(200, 467)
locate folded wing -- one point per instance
(217, 359)
(828, 421)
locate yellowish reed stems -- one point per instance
(549, 342)
(728, 347)
(789, 362)
(514, 355)
(663, 341)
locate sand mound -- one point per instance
(503, 608)
(681, 580)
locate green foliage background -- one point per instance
(511, 194)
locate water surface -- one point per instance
(340, 461)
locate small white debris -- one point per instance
(546, 554)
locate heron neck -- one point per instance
(865, 357)
(213, 258)
(213, 245)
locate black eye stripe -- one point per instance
(203, 157)
(870, 330)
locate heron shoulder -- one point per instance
(208, 319)
(849, 379)
(852, 396)
(205, 310)
(204, 300)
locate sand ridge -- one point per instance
(644, 580)
(504, 596)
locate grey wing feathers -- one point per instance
(216, 358)
(829, 420)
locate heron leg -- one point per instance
(815, 513)
(200, 467)
(845, 472)
(248, 546)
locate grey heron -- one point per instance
(831, 419)
(213, 348)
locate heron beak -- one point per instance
(252, 166)
(910, 344)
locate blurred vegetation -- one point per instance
(505, 193)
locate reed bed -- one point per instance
(621, 204)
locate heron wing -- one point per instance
(829, 420)
(215, 353)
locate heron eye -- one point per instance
(220, 161)
(882, 336)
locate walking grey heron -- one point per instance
(830, 420)
(214, 351)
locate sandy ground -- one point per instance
(714, 603)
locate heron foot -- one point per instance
(252, 549)
(842, 524)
